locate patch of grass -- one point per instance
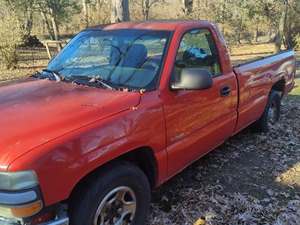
(242, 53)
(247, 49)
(296, 90)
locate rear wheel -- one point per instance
(120, 195)
(271, 114)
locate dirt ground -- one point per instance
(251, 179)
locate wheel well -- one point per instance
(279, 86)
(142, 157)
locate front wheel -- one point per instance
(271, 114)
(119, 195)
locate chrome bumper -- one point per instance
(63, 221)
(4, 221)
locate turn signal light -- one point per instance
(22, 211)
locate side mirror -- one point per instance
(193, 79)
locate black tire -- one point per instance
(86, 200)
(265, 121)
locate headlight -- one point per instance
(19, 194)
(13, 181)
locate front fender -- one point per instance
(63, 162)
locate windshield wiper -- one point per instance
(57, 76)
(104, 83)
(91, 81)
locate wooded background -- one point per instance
(241, 21)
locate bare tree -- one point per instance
(23, 9)
(11, 36)
(100, 4)
(85, 13)
(54, 12)
(120, 11)
(50, 20)
(147, 5)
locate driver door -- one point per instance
(199, 120)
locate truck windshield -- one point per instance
(124, 58)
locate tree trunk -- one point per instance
(28, 23)
(238, 38)
(270, 33)
(239, 31)
(280, 32)
(223, 15)
(54, 27)
(278, 41)
(120, 11)
(99, 4)
(287, 29)
(85, 13)
(256, 33)
(47, 24)
(290, 41)
(146, 9)
(187, 7)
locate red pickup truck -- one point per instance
(120, 110)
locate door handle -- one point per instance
(225, 91)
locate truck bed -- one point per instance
(257, 77)
(260, 58)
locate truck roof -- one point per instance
(169, 25)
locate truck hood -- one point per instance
(33, 112)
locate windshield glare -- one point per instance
(125, 58)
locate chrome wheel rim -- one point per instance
(118, 207)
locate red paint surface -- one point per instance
(64, 131)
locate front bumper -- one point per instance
(4, 221)
(62, 221)
(22, 198)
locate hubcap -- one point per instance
(118, 207)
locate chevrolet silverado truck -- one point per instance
(119, 111)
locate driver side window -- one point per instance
(198, 50)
